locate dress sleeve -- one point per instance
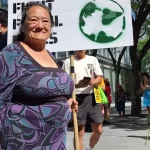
(9, 74)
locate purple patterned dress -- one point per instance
(34, 112)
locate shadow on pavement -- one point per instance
(128, 122)
(141, 137)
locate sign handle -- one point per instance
(74, 114)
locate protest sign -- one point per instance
(81, 24)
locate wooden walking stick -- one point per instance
(76, 138)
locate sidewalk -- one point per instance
(128, 133)
(128, 103)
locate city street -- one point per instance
(128, 133)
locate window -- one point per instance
(100, 51)
(104, 52)
(61, 55)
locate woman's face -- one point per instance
(145, 79)
(37, 25)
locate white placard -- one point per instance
(81, 24)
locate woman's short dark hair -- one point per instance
(21, 35)
(4, 18)
(146, 75)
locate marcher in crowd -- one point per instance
(88, 74)
(120, 96)
(145, 86)
(3, 28)
(34, 91)
(107, 106)
(102, 85)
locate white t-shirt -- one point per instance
(86, 67)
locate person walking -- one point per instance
(145, 86)
(102, 85)
(35, 103)
(87, 75)
(107, 106)
(120, 96)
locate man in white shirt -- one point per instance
(87, 74)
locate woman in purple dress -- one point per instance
(34, 91)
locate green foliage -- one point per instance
(146, 59)
(135, 5)
(141, 44)
(139, 6)
(3, 5)
(146, 63)
(138, 52)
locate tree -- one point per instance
(140, 28)
(117, 65)
(3, 5)
(146, 60)
(146, 63)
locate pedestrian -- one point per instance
(107, 106)
(120, 98)
(88, 125)
(3, 28)
(87, 75)
(145, 86)
(102, 85)
(34, 96)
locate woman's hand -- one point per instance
(96, 81)
(145, 87)
(73, 104)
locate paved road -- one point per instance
(128, 133)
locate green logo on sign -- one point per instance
(102, 23)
